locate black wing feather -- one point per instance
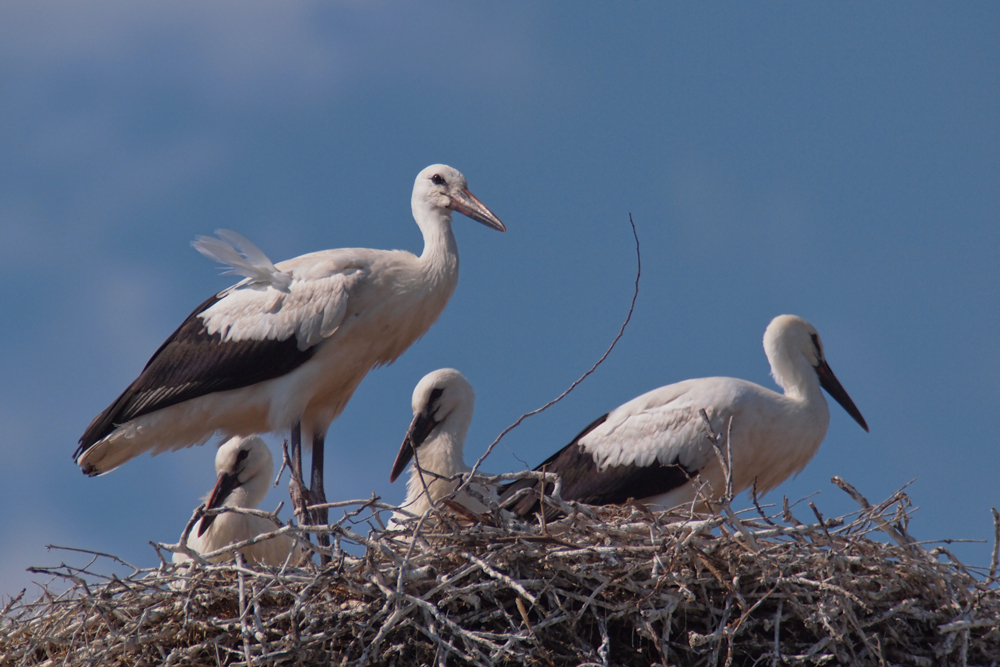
(583, 482)
(193, 363)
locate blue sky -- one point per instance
(839, 162)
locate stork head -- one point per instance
(443, 189)
(794, 348)
(442, 403)
(241, 463)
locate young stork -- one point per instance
(286, 347)
(245, 468)
(653, 447)
(442, 412)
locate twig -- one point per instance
(532, 413)
(99, 554)
(996, 544)
(726, 463)
(898, 538)
(284, 463)
(244, 626)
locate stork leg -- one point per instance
(316, 494)
(296, 487)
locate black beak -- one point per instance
(225, 485)
(422, 425)
(829, 381)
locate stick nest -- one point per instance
(603, 586)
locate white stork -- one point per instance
(245, 468)
(442, 412)
(287, 346)
(656, 447)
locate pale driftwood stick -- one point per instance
(248, 511)
(79, 581)
(444, 620)
(958, 626)
(621, 332)
(244, 627)
(296, 486)
(284, 463)
(504, 578)
(369, 502)
(903, 541)
(604, 650)
(294, 531)
(420, 473)
(401, 579)
(10, 603)
(511, 476)
(95, 554)
(726, 463)
(786, 513)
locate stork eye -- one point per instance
(437, 179)
(817, 345)
(242, 455)
(435, 397)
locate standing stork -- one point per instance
(286, 347)
(442, 412)
(244, 467)
(656, 448)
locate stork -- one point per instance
(286, 347)
(656, 447)
(442, 412)
(245, 467)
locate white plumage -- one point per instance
(443, 402)
(245, 467)
(287, 346)
(655, 448)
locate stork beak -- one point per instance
(829, 381)
(225, 485)
(421, 426)
(466, 203)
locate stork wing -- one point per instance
(663, 425)
(584, 482)
(646, 447)
(247, 334)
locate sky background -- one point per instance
(836, 161)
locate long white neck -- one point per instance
(810, 415)
(440, 255)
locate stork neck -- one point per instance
(249, 494)
(803, 386)
(442, 457)
(440, 253)
(797, 377)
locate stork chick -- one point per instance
(245, 467)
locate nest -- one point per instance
(602, 586)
